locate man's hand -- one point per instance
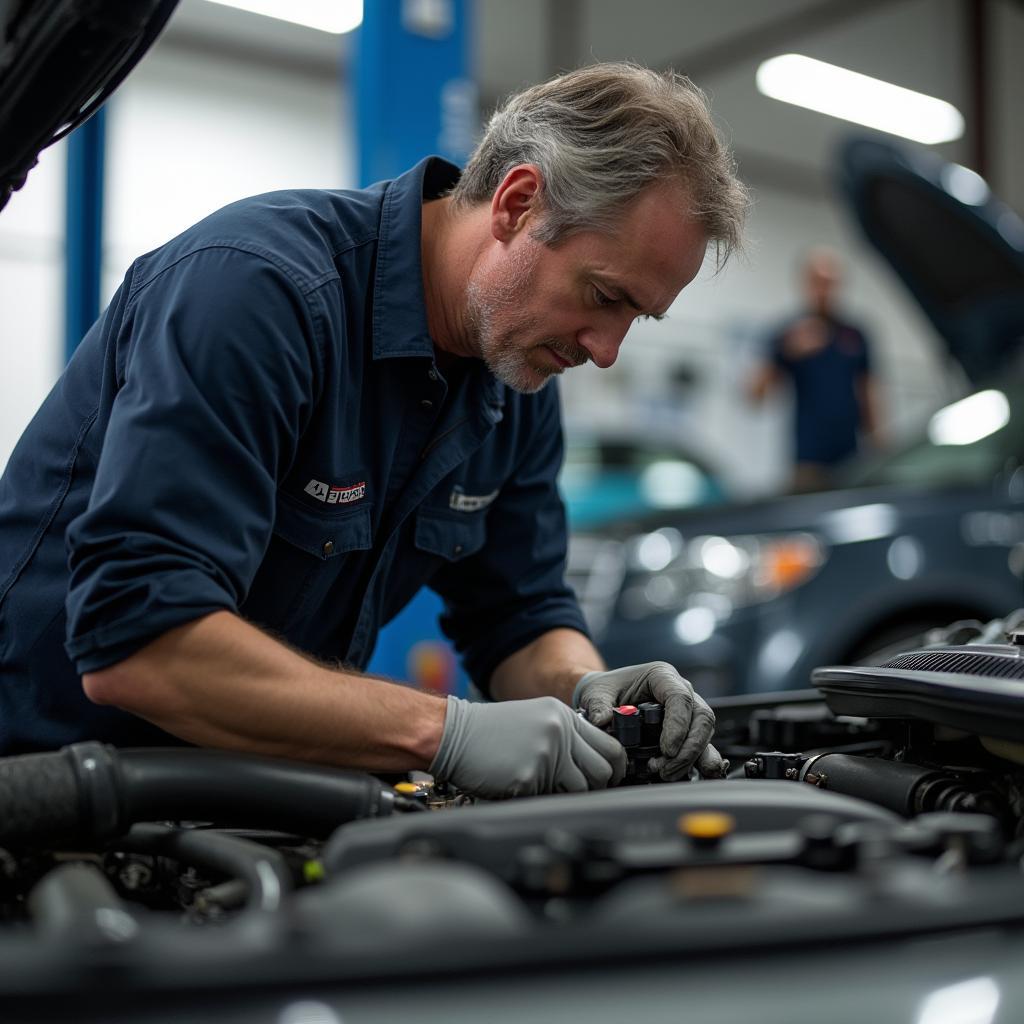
(688, 724)
(524, 747)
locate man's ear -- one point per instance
(516, 201)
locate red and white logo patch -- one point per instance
(336, 494)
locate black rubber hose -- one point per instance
(90, 791)
(243, 790)
(70, 794)
(264, 871)
(891, 784)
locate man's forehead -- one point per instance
(658, 251)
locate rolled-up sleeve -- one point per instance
(514, 589)
(220, 368)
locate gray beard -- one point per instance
(499, 330)
(495, 339)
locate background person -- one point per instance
(827, 361)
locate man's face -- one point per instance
(536, 310)
(821, 281)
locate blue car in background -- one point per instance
(749, 598)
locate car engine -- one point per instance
(886, 801)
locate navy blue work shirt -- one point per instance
(825, 382)
(257, 423)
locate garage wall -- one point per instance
(31, 295)
(204, 120)
(191, 130)
(717, 329)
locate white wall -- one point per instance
(786, 155)
(194, 128)
(718, 327)
(188, 132)
(191, 132)
(31, 295)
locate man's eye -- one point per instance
(602, 299)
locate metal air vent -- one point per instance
(966, 662)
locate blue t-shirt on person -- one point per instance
(825, 389)
(258, 423)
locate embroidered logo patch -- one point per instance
(462, 502)
(336, 494)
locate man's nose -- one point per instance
(602, 344)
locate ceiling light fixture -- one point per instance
(851, 96)
(334, 16)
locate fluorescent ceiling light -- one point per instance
(335, 16)
(838, 92)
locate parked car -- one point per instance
(612, 476)
(750, 597)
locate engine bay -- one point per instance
(887, 801)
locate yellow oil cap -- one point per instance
(407, 788)
(706, 826)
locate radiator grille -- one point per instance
(967, 662)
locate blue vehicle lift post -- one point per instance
(414, 96)
(83, 252)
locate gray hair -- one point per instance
(600, 135)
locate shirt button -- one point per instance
(426, 405)
(328, 548)
(432, 374)
(458, 549)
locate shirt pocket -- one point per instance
(324, 535)
(451, 535)
(305, 556)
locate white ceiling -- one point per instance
(919, 44)
(914, 43)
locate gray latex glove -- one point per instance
(524, 747)
(688, 724)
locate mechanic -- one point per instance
(827, 360)
(310, 404)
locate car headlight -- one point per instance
(667, 572)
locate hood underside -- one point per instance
(958, 249)
(59, 61)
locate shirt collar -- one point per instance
(399, 305)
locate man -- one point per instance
(827, 360)
(310, 404)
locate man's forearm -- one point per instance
(220, 682)
(551, 665)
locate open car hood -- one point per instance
(59, 61)
(959, 250)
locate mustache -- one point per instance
(573, 354)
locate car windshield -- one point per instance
(966, 442)
(603, 480)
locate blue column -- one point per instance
(414, 97)
(84, 229)
(413, 88)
